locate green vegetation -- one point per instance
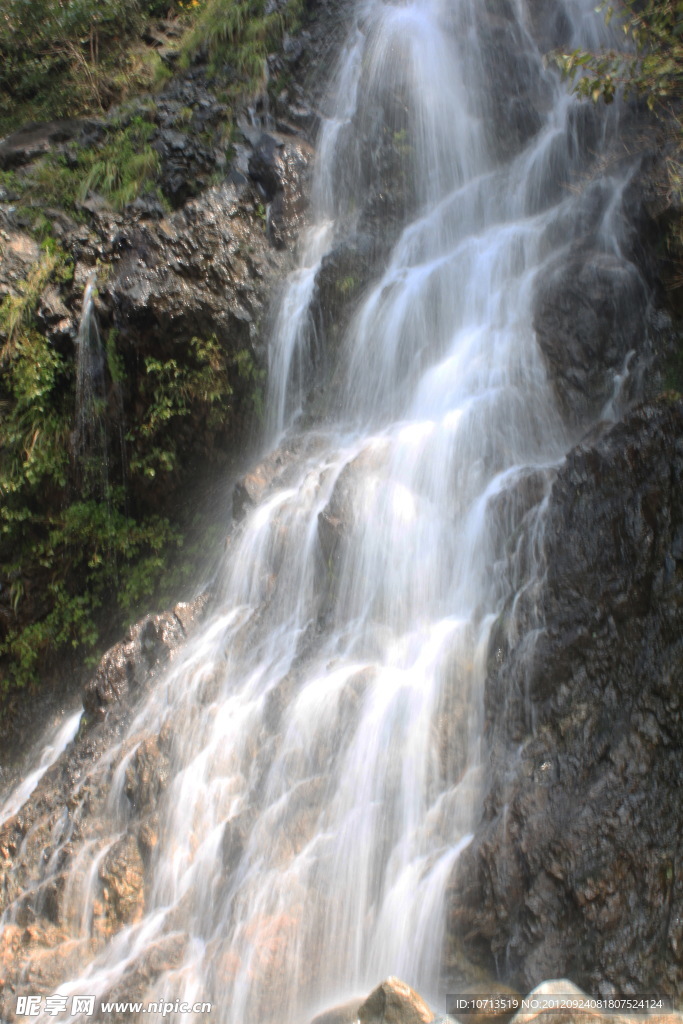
(240, 34)
(86, 538)
(60, 59)
(119, 170)
(653, 66)
(652, 69)
(84, 550)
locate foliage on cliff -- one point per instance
(80, 521)
(63, 59)
(651, 65)
(59, 59)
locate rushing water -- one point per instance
(54, 744)
(325, 728)
(90, 442)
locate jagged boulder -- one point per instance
(202, 271)
(122, 668)
(280, 168)
(394, 1002)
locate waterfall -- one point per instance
(90, 442)
(324, 730)
(54, 744)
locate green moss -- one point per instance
(347, 284)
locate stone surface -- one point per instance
(394, 1002)
(35, 140)
(589, 315)
(203, 271)
(149, 642)
(279, 166)
(574, 870)
(122, 875)
(346, 1013)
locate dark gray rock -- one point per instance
(589, 314)
(204, 271)
(575, 867)
(149, 643)
(280, 169)
(36, 140)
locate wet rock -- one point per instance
(150, 642)
(35, 140)
(549, 25)
(574, 868)
(191, 613)
(235, 835)
(589, 314)
(34, 957)
(122, 876)
(337, 519)
(516, 95)
(394, 1002)
(148, 836)
(165, 954)
(278, 469)
(280, 166)
(204, 271)
(147, 774)
(342, 278)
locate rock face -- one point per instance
(507, 59)
(575, 868)
(35, 140)
(590, 315)
(203, 271)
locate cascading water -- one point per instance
(324, 731)
(54, 745)
(90, 442)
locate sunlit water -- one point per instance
(54, 744)
(327, 722)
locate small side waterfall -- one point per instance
(323, 734)
(54, 744)
(90, 442)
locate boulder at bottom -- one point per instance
(394, 1002)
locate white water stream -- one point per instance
(54, 744)
(326, 723)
